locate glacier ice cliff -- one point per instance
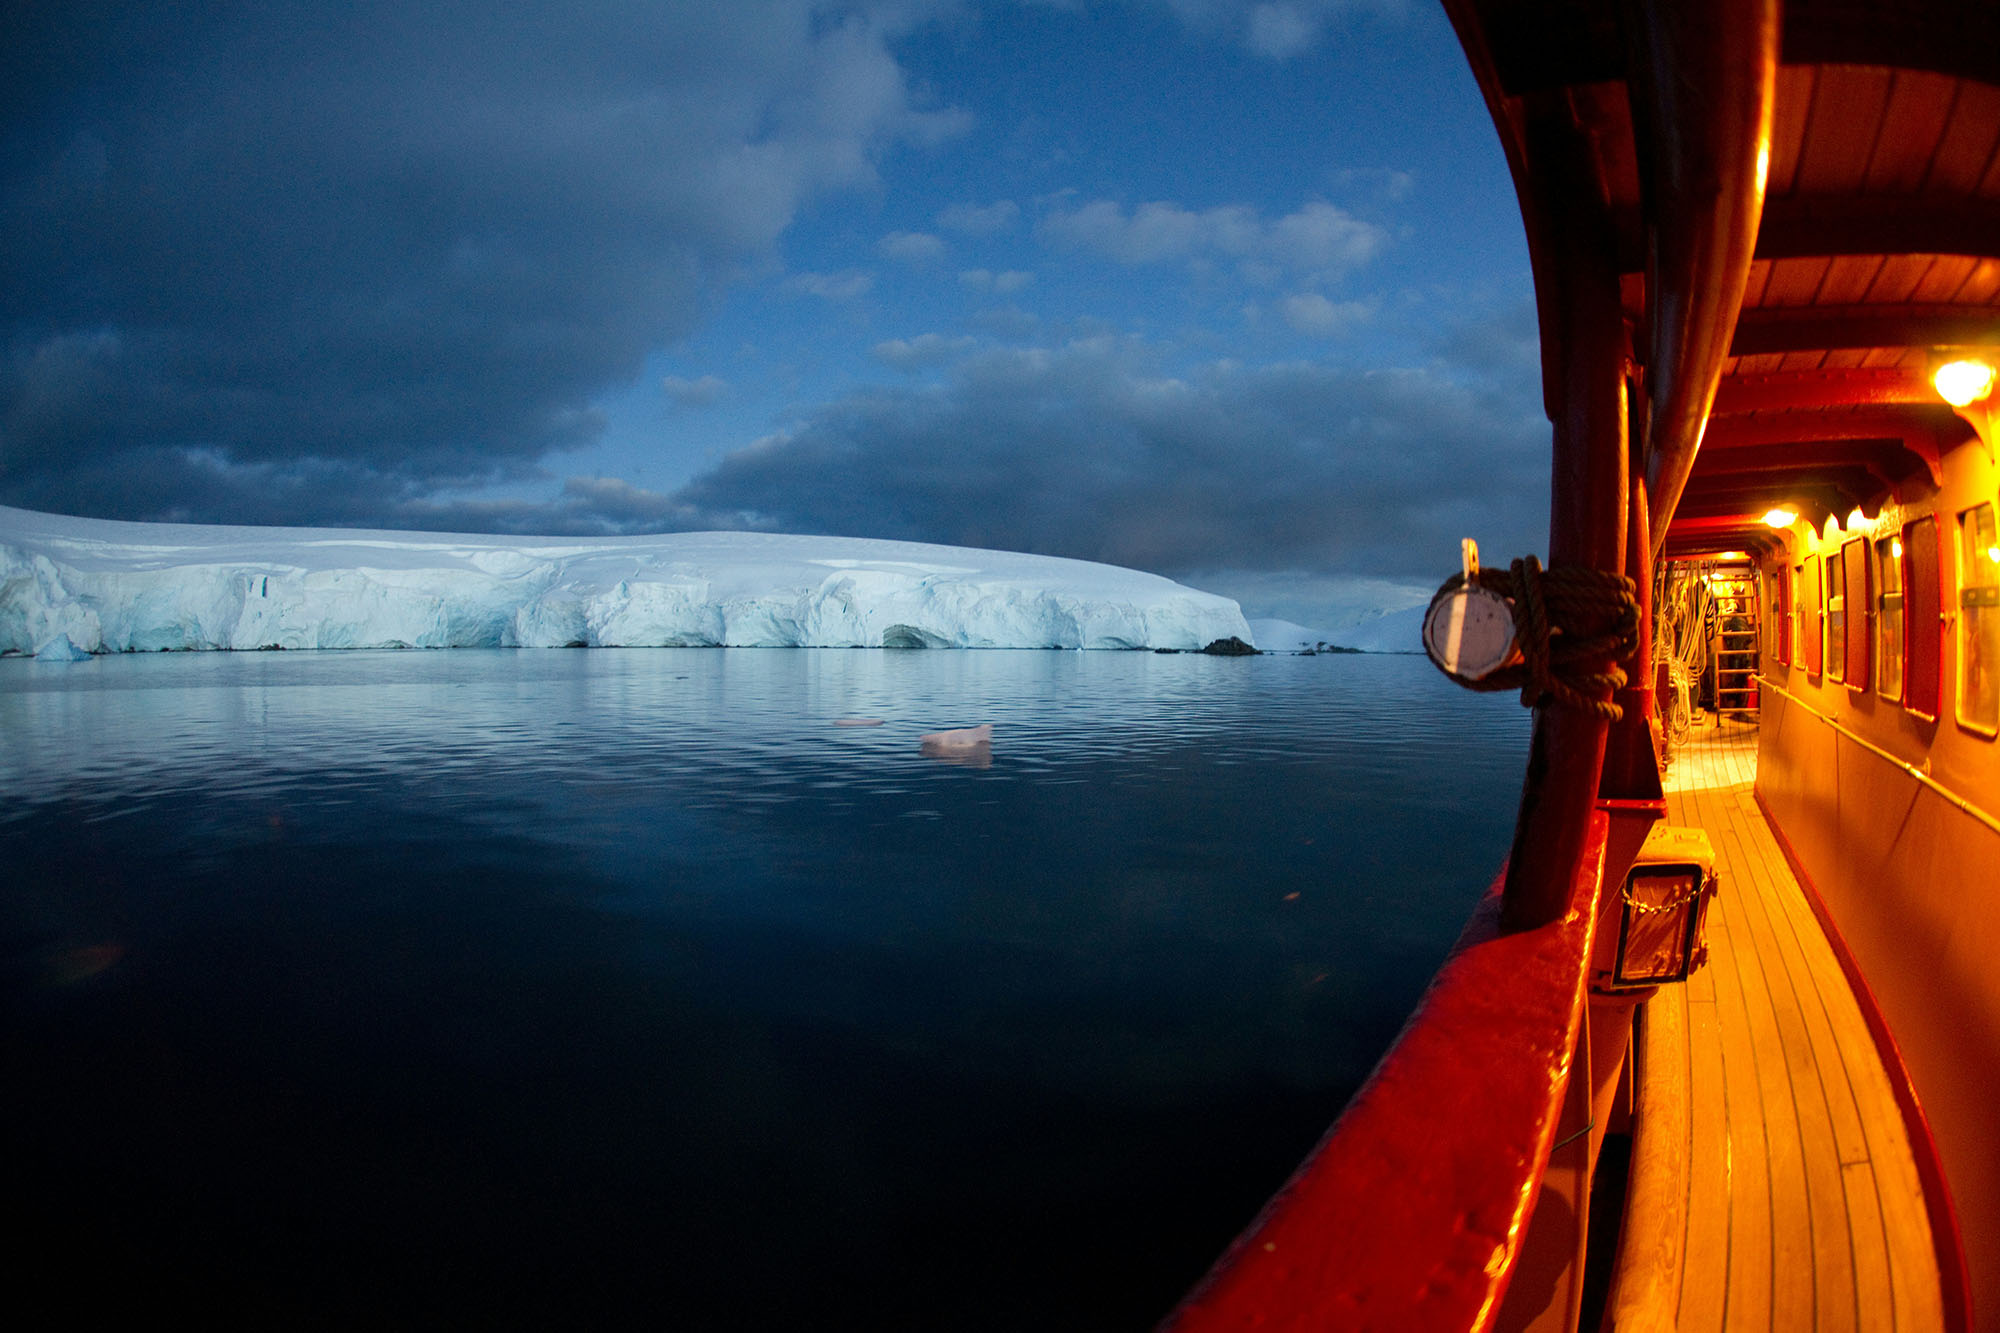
(117, 587)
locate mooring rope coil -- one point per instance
(1564, 617)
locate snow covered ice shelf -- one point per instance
(115, 587)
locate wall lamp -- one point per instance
(1964, 377)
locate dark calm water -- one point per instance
(557, 988)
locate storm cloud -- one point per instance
(395, 247)
(408, 265)
(1086, 451)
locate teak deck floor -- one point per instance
(1804, 1209)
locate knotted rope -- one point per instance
(1564, 618)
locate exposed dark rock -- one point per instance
(1230, 647)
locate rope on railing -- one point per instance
(1565, 618)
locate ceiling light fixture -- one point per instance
(1963, 380)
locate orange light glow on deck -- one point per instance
(1963, 381)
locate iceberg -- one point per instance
(110, 586)
(60, 649)
(1398, 631)
(1288, 636)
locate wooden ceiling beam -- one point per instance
(1884, 465)
(1806, 225)
(1745, 511)
(1890, 421)
(1767, 329)
(1926, 431)
(1838, 490)
(1758, 541)
(1955, 39)
(1857, 480)
(1807, 389)
(1563, 43)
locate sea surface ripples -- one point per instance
(612, 983)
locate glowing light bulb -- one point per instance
(1993, 554)
(1963, 381)
(1781, 517)
(1896, 547)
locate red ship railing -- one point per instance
(1412, 1212)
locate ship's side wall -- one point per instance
(1910, 881)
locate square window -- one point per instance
(1923, 623)
(1889, 618)
(1978, 621)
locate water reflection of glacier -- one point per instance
(714, 977)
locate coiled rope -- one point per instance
(1564, 618)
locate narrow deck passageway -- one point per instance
(1804, 1209)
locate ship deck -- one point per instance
(1801, 1206)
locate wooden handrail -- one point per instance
(1923, 779)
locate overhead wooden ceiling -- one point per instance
(1879, 241)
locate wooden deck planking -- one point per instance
(1751, 1242)
(1874, 1290)
(1710, 1157)
(1804, 1208)
(1830, 1276)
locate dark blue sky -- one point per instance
(1235, 292)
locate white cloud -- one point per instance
(1311, 313)
(985, 280)
(1386, 183)
(695, 393)
(974, 221)
(1274, 29)
(911, 247)
(1008, 321)
(1320, 236)
(842, 286)
(926, 349)
(1279, 32)
(1317, 238)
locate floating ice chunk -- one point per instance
(60, 649)
(857, 722)
(962, 744)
